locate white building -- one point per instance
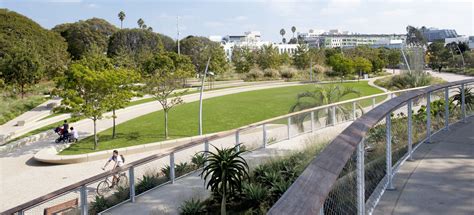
(251, 40)
(344, 39)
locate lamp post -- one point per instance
(200, 96)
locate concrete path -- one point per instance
(168, 198)
(440, 180)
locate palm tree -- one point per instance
(121, 16)
(322, 96)
(140, 23)
(293, 29)
(282, 33)
(150, 28)
(226, 170)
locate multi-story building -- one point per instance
(434, 34)
(251, 40)
(471, 42)
(344, 39)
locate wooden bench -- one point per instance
(62, 208)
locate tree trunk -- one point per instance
(113, 120)
(22, 91)
(95, 134)
(223, 203)
(166, 124)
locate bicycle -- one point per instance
(104, 186)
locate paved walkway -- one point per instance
(440, 180)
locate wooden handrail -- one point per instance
(193, 143)
(310, 190)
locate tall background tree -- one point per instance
(415, 37)
(437, 55)
(85, 35)
(140, 23)
(268, 57)
(301, 58)
(362, 65)
(46, 48)
(394, 58)
(199, 49)
(293, 39)
(282, 33)
(121, 16)
(243, 59)
(341, 66)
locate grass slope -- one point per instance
(219, 114)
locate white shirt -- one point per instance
(75, 134)
(117, 159)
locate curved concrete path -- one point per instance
(440, 180)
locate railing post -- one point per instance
(264, 136)
(446, 108)
(428, 117)
(354, 110)
(288, 127)
(463, 103)
(172, 175)
(333, 115)
(321, 210)
(21, 212)
(206, 150)
(360, 178)
(389, 151)
(131, 178)
(237, 141)
(410, 129)
(312, 121)
(391, 95)
(84, 206)
(373, 102)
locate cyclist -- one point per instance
(118, 162)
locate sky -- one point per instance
(231, 17)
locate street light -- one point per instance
(200, 95)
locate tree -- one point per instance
(135, 44)
(437, 55)
(120, 89)
(268, 57)
(224, 173)
(83, 35)
(140, 23)
(164, 73)
(415, 37)
(362, 65)
(322, 96)
(199, 49)
(301, 57)
(121, 16)
(84, 92)
(394, 57)
(21, 68)
(20, 32)
(341, 65)
(282, 33)
(293, 29)
(243, 59)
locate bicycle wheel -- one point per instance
(122, 180)
(102, 188)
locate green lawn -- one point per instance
(219, 114)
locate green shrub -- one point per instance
(180, 169)
(192, 207)
(408, 80)
(254, 194)
(99, 204)
(198, 160)
(287, 72)
(148, 182)
(254, 74)
(271, 73)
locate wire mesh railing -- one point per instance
(352, 173)
(151, 172)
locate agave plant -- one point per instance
(224, 173)
(322, 96)
(468, 98)
(192, 207)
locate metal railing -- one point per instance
(254, 136)
(351, 174)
